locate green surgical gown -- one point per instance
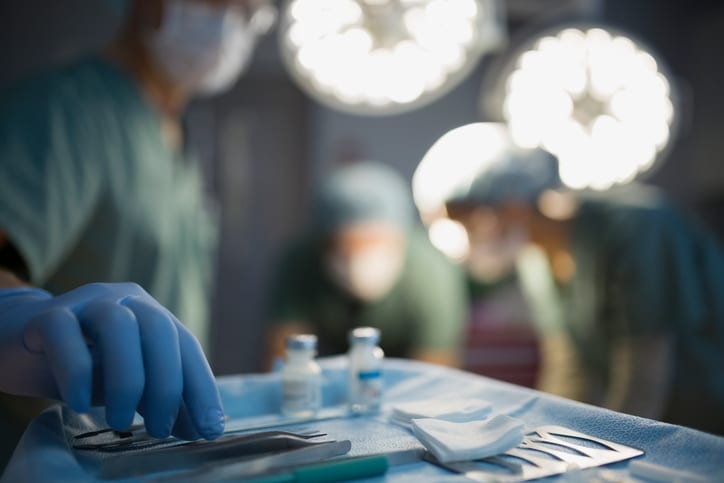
(643, 267)
(90, 192)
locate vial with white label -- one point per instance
(301, 377)
(365, 370)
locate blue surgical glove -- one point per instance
(111, 344)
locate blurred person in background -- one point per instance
(97, 186)
(501, 340)
(625, 288)
(364, 261)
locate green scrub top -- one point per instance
(90, 192)
(425, 310)
(642, 268)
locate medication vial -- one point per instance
(301, 377)
(365, 370)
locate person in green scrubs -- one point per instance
(365, 261)
(96, 186)
(625, 287)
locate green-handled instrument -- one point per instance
(343, 469)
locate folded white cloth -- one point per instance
(449, 441)
(457, 410)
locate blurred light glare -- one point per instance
(453, 161)
(450, 237)
(597, 100)
(409, 52)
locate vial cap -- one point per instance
(301, 341)
(364, 335)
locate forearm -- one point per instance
(10, 280)
(561, 370)
(438, 356)
(640, 378)
(11, 262)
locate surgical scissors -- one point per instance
(193, 454)
(135, 438)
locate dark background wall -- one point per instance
(264, 144)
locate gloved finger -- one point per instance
(58, 335)
(185, 428)
(113, 329)
(201, 395)
(162, 361)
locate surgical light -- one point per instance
(385, 56)
(597, 99)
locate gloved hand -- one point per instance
(111, 344)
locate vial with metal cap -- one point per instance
(365, 370)
(301, 377)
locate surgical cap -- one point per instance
(520, 175)
(365, 191)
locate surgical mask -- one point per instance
(490, 260)
(202, 48)
(367, 275)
